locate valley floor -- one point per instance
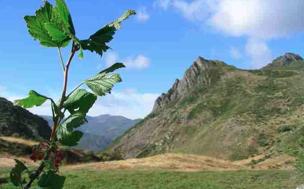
(176, 171)
(160, 179)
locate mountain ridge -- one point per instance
(16, 121)
(100, 131)
(225, 112)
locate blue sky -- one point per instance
(157, 45)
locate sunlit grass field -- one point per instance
(158, 179)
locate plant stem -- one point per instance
(61, 59)
(57, 119)
(64, 90)
(38, 171)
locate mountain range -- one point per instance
(221, 111)
(100, 131)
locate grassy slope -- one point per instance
(138, 179)
(243, 114)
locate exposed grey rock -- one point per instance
(201, 73)
(284, 60)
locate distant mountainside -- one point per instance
(100, 131)
(16, 121)
(225, 112)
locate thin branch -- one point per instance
(65, 85)
(61, 58)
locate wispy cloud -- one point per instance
(142, 15)
(235, 53)
(258, 20)
(138, 62)
(129, 103)
(259, 52)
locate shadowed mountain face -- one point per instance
(100, 131)
(225, 112)
(16, 121)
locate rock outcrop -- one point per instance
(202, 72)
(285, 60)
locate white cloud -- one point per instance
(196, 10)
(11, 96)
(259, 52)
(128, 103)
(164, 4)
(137, 62)
(142, 14)
(111, 58)
(261, 20)
(235, 53)
(255, 18)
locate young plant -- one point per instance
(52, 26)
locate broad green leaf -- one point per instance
(56, 34)
(47, 26)
(16, 173)
(33, 99)
(70, 138)
(74, 121)
(103, 83)
(36, 25)
(51, 180)
(113, 68)
(63, 14)
(98, 41)
(66, 133)
(80, 101)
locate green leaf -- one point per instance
(36, 23)
(56, 34)
(51, 180)
(126, 15)
(66, 134)
(44, 27)
(98, 41)
(16, 173)
(80, 100)
(34, 99)
(71, 138)
(113, 68)
(74, 121)
(103, 83)
(63, 14)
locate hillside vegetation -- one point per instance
(16, 121)
(225, 112)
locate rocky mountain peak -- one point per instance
(284, 60)
(201, 73)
